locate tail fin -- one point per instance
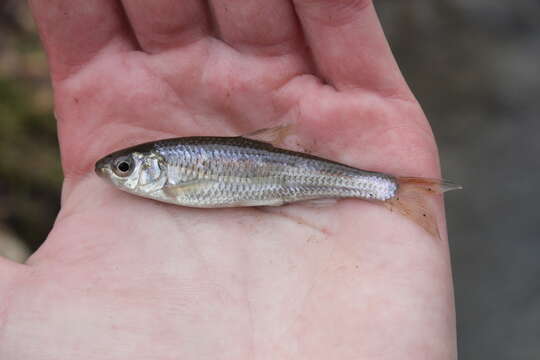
(414, 201)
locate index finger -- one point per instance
(74, 31)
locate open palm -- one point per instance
(122, 277)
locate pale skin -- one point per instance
(121, 277)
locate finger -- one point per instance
(164, 24)
(349, 46)
(74, 31)
(258, 26)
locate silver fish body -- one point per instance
(236, 171)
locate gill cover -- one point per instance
(152, 173)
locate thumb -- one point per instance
(9, 271)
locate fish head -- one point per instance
(136, 172)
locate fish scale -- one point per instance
(227, 171)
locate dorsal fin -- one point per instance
(273, 135)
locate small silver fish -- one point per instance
(211, 172)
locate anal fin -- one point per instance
(317, 203)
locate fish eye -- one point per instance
(123, 166)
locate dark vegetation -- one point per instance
(30, 174)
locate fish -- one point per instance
(239, 171)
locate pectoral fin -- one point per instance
(179, 190)
(250, 203)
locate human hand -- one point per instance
(121, 277)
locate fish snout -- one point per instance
(102, 166)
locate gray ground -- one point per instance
(475, 67)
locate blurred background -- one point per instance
(474, 66)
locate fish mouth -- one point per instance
(102, 168)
